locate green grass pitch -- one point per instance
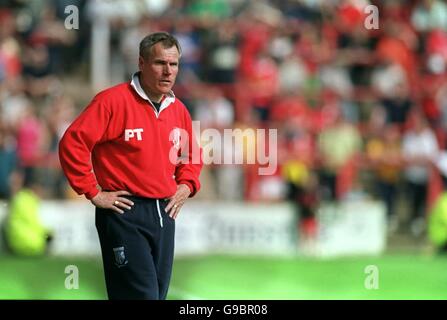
(239, 277)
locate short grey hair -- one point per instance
(166, 39)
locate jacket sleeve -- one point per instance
(77, 144)
(188, 170)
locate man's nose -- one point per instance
(167, 69)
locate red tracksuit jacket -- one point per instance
(120, 142)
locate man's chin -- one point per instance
(165, 91)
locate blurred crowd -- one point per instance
(361, 112)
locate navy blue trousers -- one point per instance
(137, 249)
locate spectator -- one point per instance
(429, 15)
(221, 54)
(437, 220)
(383, 153)
(24, 230)
(398, 105)
(337, 145)
(7, 161)
(30, 143)
(420, 149)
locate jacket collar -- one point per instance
(166, 100)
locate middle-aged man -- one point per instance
(118, 153)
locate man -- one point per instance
(126, 135)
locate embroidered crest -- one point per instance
(120, 257)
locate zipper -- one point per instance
(159, 213)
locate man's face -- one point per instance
(159, 71)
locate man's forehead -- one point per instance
(160, 52)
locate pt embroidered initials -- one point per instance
(130, 133)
